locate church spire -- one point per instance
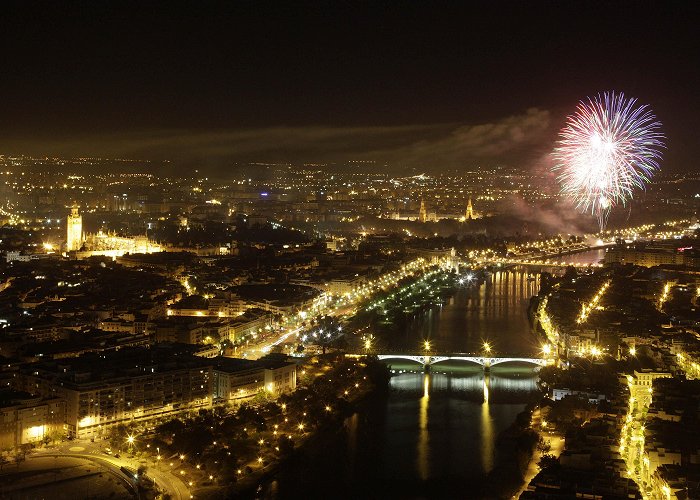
(422, 215)
(470, 211)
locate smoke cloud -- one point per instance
(432, 146)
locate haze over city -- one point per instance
(428, 250)
(428, 86)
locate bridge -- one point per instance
(542, 263)
(487, 362)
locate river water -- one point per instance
(435, 435)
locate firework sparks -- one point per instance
(608, 148)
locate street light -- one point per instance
(426, 345)
(487, 347)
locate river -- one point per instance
(435, 435)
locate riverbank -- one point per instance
(263, 483)
(553, 445)
(516, 449)
(434, 433)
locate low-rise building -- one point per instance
(236, 379)
(134, 384)
(28, 419)
(120, 387)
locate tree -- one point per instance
(570, 273)
(286, 446)
(117, 436)
(548, 461)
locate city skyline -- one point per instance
(350, 250)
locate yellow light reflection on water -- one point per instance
(423, 462)
(487, 437)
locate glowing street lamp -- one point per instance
(487, 348)
(426, 345)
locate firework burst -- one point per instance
(608, 148)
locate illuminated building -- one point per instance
(422, 215)
(470, 214)
(27, 419)
(238, 378)
(102, 243)
(111, 245)
(118, 387)
(74, 231)
(138, 384)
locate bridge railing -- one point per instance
(485, 361)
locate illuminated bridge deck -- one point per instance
(487, 362)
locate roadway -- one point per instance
(170, 483)
(262, 347)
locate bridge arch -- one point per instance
(529, 361)
(478, 360)
(403, 357)
(468, 359)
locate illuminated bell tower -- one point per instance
(422, 215)
(470, 211)
(74, 230)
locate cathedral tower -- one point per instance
(74, 230)
(470, 211)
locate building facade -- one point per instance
(74, 231)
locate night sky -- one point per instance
(433, 84)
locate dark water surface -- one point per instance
(435, 435)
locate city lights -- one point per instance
(291, 258)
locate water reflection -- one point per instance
(495, 311)
(496, 386)
(435, 435)
(456, 415)
(487, 437)
(424, 436)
